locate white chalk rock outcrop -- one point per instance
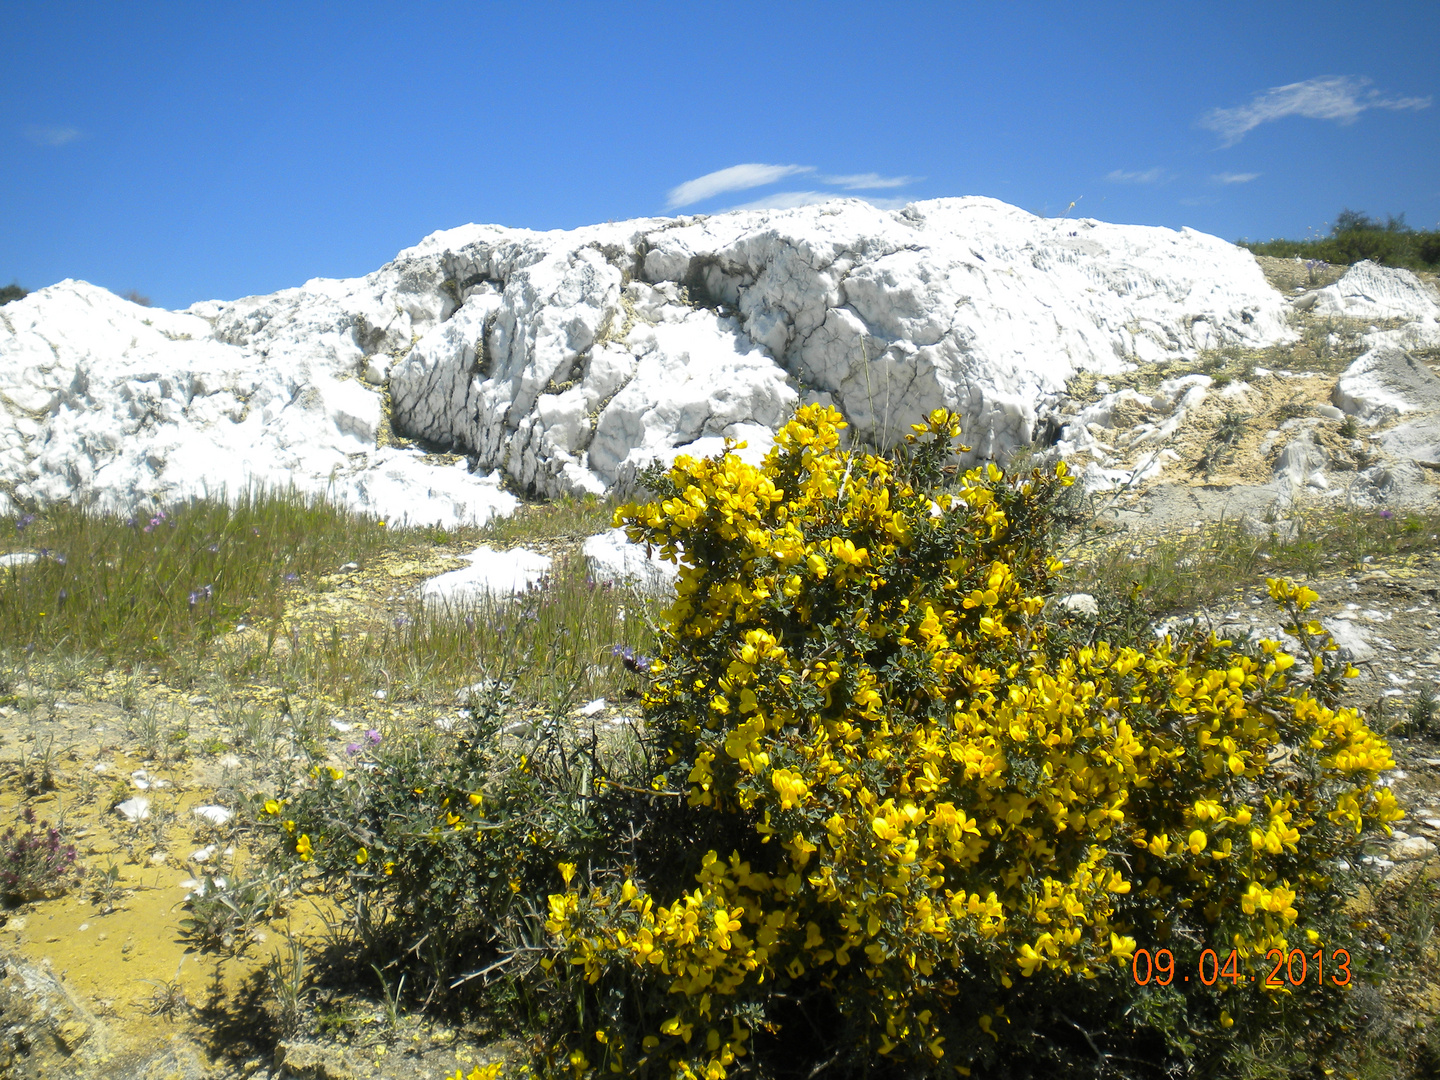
(566, 360)
(1369, 291)
(106, 403)
(1385, 382)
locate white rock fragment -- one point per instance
(204, 854)
(215, 815)
(18, 558)
(1355, 638)
(492, 575)
(136, 809)
(1080, 604)
(1369, 291)
(613, 558)
(1385, 382)
(1412, 847)
(591, 708)
(1302, 465)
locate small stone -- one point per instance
(215, 815)
(71, 1034)
(136, 809)
(1080, 604)
(1413, 847)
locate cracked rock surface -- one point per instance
(562, 362)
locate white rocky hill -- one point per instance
(562, 361)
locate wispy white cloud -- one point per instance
(735, 178)
(1235, 177)
(867, 181)
(1149, 176)
(1341, 98)
(42, 135)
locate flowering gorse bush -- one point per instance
(907, 816)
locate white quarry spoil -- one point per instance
(492, 575)
(613, 558)
(564, 361)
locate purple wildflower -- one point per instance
(1386, 514)
(373, 736)
(634, 661)
(23, 522)
(352, 748)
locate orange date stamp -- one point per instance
(1286, 969)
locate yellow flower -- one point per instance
(271, 806)
(303, 848)
(567, 871)
(362, 857)
(791, 786)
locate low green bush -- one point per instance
(1355, 237)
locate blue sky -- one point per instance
(196, 151)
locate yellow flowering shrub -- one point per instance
(904, 805)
